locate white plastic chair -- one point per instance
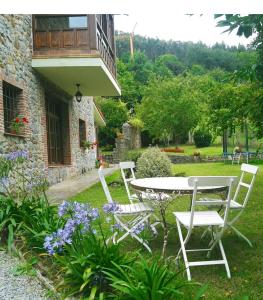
(193, 219)
(236, 157)
(128, 167)
(137, 214)
(235, 203)
(127, 172)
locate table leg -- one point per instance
(165, 231)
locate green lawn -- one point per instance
(246, 264)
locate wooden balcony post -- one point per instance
(93, 32)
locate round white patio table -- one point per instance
(158, 189)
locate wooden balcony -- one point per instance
(86, 40)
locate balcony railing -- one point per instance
(75, 36)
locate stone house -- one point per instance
(44, 61)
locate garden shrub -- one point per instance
(81, 250)
(150, 279)
(39, 219)
(24, 207)
(153, 163)
(202, 138)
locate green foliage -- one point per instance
(221, 102)
(82, 251)
(228, 105)
(115, 113)
(83, 264)
(169, 108)
(246, 26)
(136, 122)
(130, 88)
(147, 280)
(133, 155)
(153, 163)
(188, 53)
(39, 219)
(9, 221)
(24, 208)
(141, 67)
(168, 65)
(202, 138)
(197, 70)
(26, 267)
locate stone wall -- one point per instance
(182, 159)
(15, 68)
(130, 139)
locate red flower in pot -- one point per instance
(18, 124)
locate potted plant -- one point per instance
(89, 145)
(197, 155)
(18, 124)
(119, 134)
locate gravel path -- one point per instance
(20, 287)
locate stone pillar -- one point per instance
(131, 140)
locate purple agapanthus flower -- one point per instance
(138, 229)
(4, 184)
(111, 207)
(17, 154)
(79, 216)
(63, 208)
(4, 181)
(115, 227)
(93, 214)
(53, 243)
(37, 181)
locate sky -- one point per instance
(164, 19)
(178, 27)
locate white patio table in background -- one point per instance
(157, 189)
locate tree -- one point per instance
(115, 114)
(169, 108)
(246, 26)
(129, 87)
(168, 65)
(141, 67)
(188, 53)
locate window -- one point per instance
(61, 22)
(82, 132)
(54, 126)
(11, 96)
(58, 132)
(78, 22)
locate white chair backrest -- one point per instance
(211, 181)
(130, 166)
(104, 185)
(249, 169)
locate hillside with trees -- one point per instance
(173, 87)
(188, 53)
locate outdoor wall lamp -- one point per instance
(78, 94)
